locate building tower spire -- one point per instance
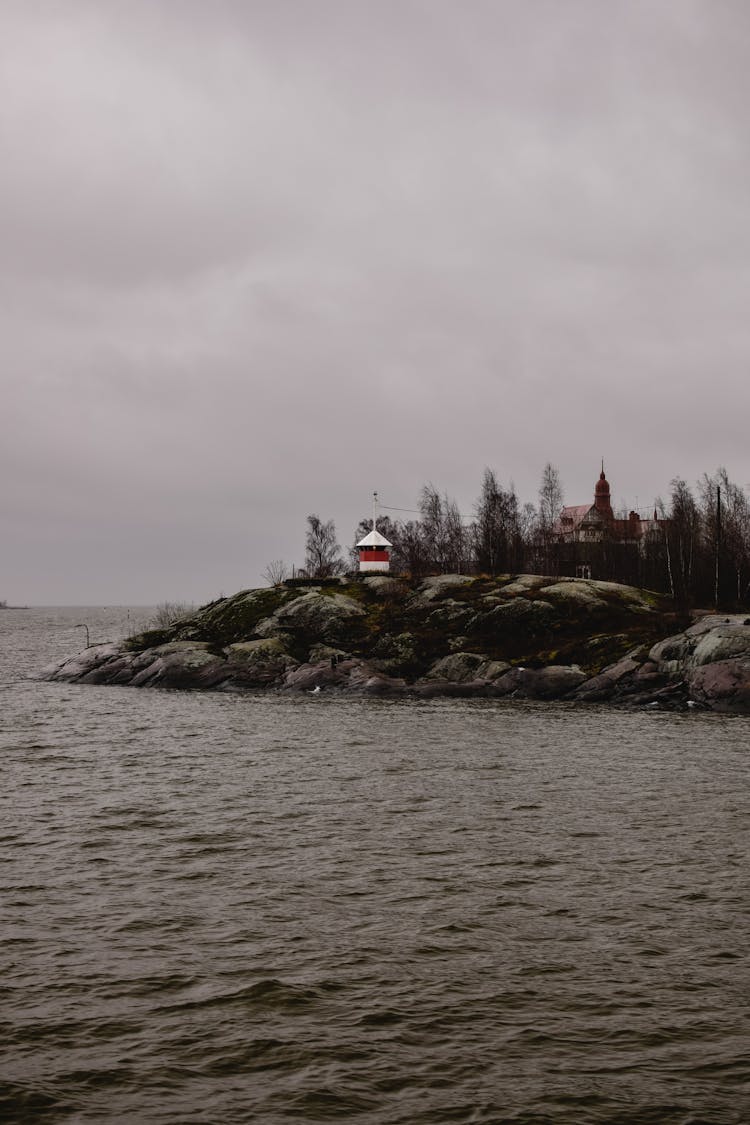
(602, 501)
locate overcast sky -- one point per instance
(261, 257)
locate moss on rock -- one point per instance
(257, 636)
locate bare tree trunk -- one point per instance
(669, 565)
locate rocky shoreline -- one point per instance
(516, 636)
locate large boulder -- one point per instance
(552, 682)
(227, 620)
(712, 658)
(711, 621)
(183, 664)
(259, 662)
(353, 675)
(724, 642)
(671, 654)
(180, 664)
(383, 586)
(462, 667)
(574, 597)
(457, 668)
(118, 670)
(326, 617)
(710, 640)
(630, 596)
(518, 618)
(450, 615)
(436, 587)
(367, 680)
(722, 686)
(83, 663)
(491, 670)
(523, 584)
(603, 685)
(308, 677)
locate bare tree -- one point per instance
(487, 527)
(550, 504)
(410, 554)
(736, 538)
(276, 572)
(457, 550)
(725, 516)
(445, 540)
(655, 564)
(527, 524)
(322, 552)
(433, 531)
(167, 613)
(498, 533)
(683, 542)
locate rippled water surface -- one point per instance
(222, 908)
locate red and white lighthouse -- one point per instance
(374, 550)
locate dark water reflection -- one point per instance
(230, 909)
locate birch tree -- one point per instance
(322, 552)
(550, 505)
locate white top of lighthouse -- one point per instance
(374, 538)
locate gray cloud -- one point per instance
(260, 258)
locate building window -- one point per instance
(583, 571)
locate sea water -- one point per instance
(261, 907)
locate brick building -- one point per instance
(591, 542)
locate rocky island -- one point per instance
(520, 636)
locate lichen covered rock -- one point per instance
(456, 668)
(326, 617)
(574, 595)
(462, 667)
(259, 662)
(83, 663)
(725, 642)
(520, 636)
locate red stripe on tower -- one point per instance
(373, 556)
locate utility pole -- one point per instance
(718, 546)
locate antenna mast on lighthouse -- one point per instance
(374, 511)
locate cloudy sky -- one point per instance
(261, 257)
